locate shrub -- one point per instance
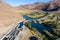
(50, 35)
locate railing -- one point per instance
(11, 35)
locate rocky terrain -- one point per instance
(53, 5)
(8, 16)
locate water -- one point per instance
(21, 24)
(28, 18)
(33, 38)
(41, 27)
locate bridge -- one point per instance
(13, 32)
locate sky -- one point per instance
(23, 2)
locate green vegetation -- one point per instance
(36, 14)
(56, 31)
(53, 37)
(42, 20)
(51, 17)
(53, 24)
(49, 23)
(35, 32)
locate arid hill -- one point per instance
(56, 0)
(8, 16)
(53, 5)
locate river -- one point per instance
(38, 26)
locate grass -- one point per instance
(38, 35)
(56, 31)
(36, 15)
(50, 35)
(51, 17)
(34, 31)
(54, 24)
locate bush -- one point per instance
(42, 20)
(50, 35)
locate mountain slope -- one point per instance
(8, 16)
(48, 6)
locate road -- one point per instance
(24, 34)
(13, 32)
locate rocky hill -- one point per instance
(53, 5)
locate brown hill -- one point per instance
(8, 16)
(29, 6)
(55, 0)
(48, 6)
(53, 6)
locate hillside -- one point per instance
(47, 6)
(8, 16)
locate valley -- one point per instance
(36, 21)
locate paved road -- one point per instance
(11, 35)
